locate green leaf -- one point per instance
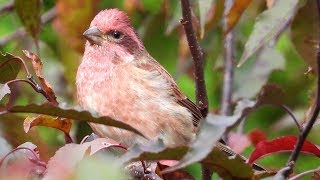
(268, 26)
(29, 14)
(251, 78)
(70, 113)
(204, 7)
(4, 89)
(9, 67)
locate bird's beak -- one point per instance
(94, 35)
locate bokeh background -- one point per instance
(61, 45)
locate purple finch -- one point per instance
(119, 78)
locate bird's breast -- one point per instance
(139, 98)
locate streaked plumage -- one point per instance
(118, 78)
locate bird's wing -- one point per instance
(183, 100)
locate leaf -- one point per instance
(204, 7)
(22, 163)
(62, 165)
(270, 94)
(70, 113)
(215, 126)
(100, 167)
(4, 90)
(257, 136)
(235, 13)
(29, 14)
(153, 151)
(282, 144)
(48, 121)
(180, 174)
(228, 167)
(9, 67)
(269, 25)
(251, 78)
(37, 66)
(209, 134)
(217, 160)
(11, 130)
(304, 32)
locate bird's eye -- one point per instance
(116, 35)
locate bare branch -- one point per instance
(45, 18)
(299, 176)
(35, 86)
(305, 131)
(197, 56)
(288, 110)
(228, 64)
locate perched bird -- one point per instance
(120, 79)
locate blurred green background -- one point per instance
(157, 21)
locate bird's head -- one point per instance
(111, 35)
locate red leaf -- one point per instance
(257, 136)
(282, 144)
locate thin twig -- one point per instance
(30, 80)
(227, 86)
(298, 176)
(22, 148)
(35, 86)
(288, 110)
(305, 131)
(20, 60)
(45, 18)
(9, 6)
(228, 65)
(197, 56)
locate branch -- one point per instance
(197, 56)
(34, 85)
(299, 176)
(305, 131)
(228, 64)
(288, 110)
(30, 80)
(9, 6)
(45, 18)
